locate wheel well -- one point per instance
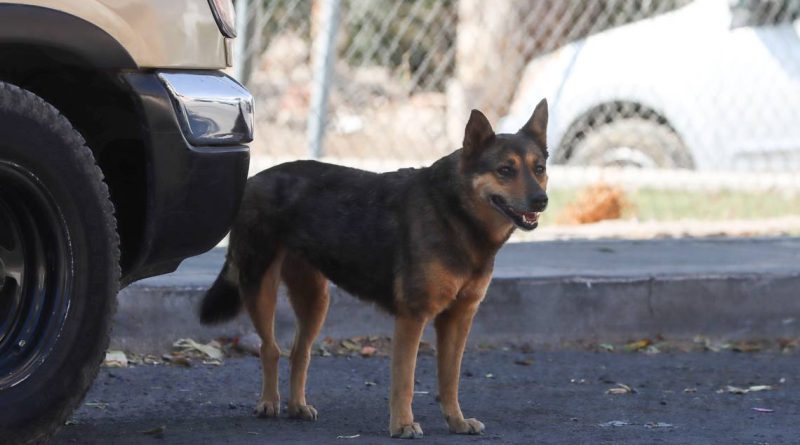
(603, 114)
(98, 105)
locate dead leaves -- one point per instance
(191, 348)
(115, 359)
(184, 352)
(597, 202)
(737, 390)
(620, 389)
(698, 344)
(364, 346)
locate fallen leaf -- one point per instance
(736, 390)
(652, 349)
(350, 345)
(523, 362)
(620, 389)
(747, 346)
(115, 359)
(615, 423)
(368, 351)
(368, 383)
(754, 388)
(658, 425)
(349, 437)
(156, 432)
(690, 390)
(764, 410)
(606, 347)
(210, 350)
(177, 359)
(637, 345)
(489, 375)
(98, 405)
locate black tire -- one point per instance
(61, 272)
(631, 141)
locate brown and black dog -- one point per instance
(418, 242)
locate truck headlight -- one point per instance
(225, 16)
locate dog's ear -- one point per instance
(536, 127)
(477, 135)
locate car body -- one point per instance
(123, 151)
(730, 93)
(184, 193)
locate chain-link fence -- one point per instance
(671, 117)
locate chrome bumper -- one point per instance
(212, 108)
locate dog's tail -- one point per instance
(222, 301)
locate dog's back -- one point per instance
(345, 222)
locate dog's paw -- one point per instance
(413, 431)
(466, 426)
(268, 409)
(305, 412)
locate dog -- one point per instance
(420, 243)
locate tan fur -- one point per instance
(498, 225)
(261, 308)
(308, 294)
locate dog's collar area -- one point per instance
(523, 220)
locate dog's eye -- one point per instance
(539, 169)
(505, 171)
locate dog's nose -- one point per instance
(539, 202)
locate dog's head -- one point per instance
(507, 172)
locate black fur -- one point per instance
(365, 230)
(221, 301)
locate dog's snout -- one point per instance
(539, 202)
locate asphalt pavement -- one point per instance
(540, 397)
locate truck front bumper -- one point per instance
(195, 126)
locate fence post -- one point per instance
(323, 54)
(239, 48)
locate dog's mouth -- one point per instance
(523, 220)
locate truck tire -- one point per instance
(59, 267)
(633, 142)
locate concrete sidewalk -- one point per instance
(542, 293)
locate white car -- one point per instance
(684, 89)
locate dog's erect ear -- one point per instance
(536, 127)
(477, 135)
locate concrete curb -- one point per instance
(712, 289)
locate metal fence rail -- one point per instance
(707, 88)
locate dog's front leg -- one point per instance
(405, 344)
(452, 329)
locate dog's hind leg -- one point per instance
(261, 306)
(308, 293)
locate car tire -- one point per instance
(633, 141)
(59, 267)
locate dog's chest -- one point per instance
(436, 287)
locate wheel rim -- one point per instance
(624, 156)
(35, 274)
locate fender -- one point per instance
(35, 25)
